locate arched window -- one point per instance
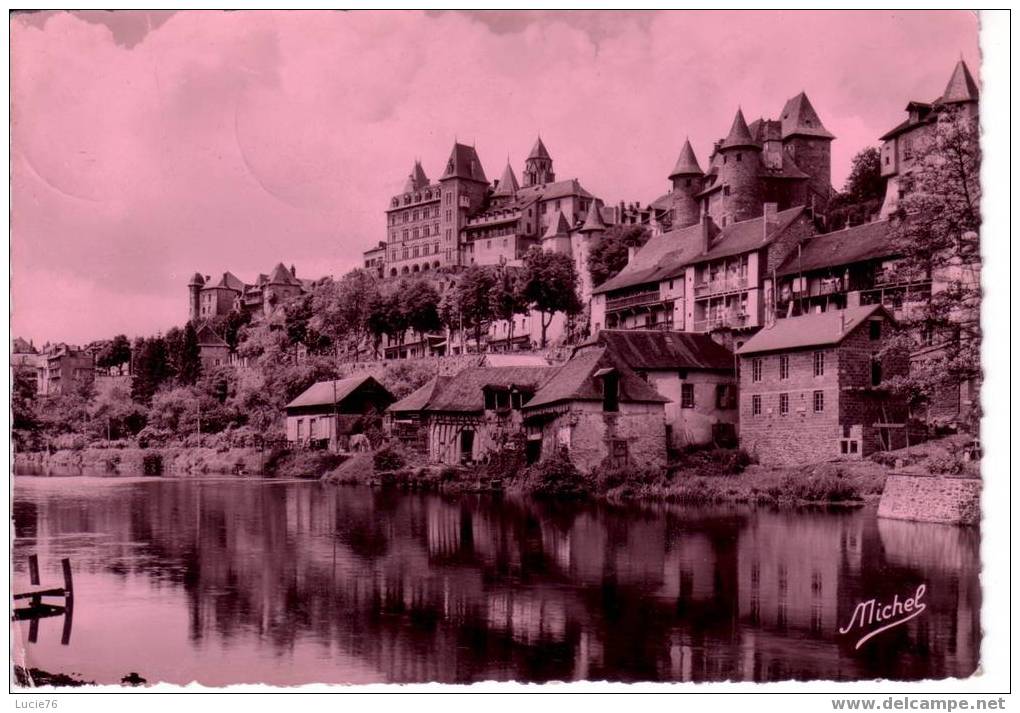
(393, 272)
(435, 264)
(414, 269)
(424, 267)
(404, 270)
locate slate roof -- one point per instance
(508, 185)
(557, 189)
(687, 163)
(575, 381)
(418, 399)
(417, 179)
(464, 163)
(197, 279)
(747, 235)
(539, 150)
(739, 134)
(207, 337)
(646, 349)
(961, 86)
(810, 330)
(593, 222)
(228, 281)
(868, 241)
(322, 393)
(281, 276)
(800, 119)
(558, 227)
(462, 393)
(660, 258)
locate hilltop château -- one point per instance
(207, 299)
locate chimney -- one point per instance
(706, 236)
(770, 219)
(293, 272)
(853, 299)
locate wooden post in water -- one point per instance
(33, 570)
(68, 581)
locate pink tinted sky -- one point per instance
(150, 145)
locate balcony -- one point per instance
(640, 299)
(717, 286)
(723, 321)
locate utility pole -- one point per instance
(336, 421)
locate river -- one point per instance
(239, 581)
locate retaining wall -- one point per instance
(930, 498)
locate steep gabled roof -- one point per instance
(747, 235)
(417, 179)
(868, 241)
(323, 393)
(508, 185)
(539, 150)
(464, 163)
(207, 337)
(576, 381)
(658, 349)
(811, 330)
(549, 191)
(463, 393)
(230, 281)
(686, 163)
(739, 135)
(281, 276)
(961, 86)
(560, 226)
(800, 119)
(419, 399)
(662, 257)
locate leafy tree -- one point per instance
(507, 299)
(174, 341)
(189, 363)
(862, 194)
(115, 352)
(343, 308)
(936, 228)
(152, 368)
(609, 255)
(419, 306)
(474, 290)
(23, 392)
(115, 415)
(232, 327)
(550, 285)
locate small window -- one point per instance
(756, 370)
(784, 404)
(874, 330)
(611, 392)
(784, 366)
(756, 405)
(819, 363)
(818, 399)
(725, 396)
(739, 155)
(876, 371)
(687, 396)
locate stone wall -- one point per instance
(588, 433)
(174, 461)
(929, 498)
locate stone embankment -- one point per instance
(170, 461)
(949, 500)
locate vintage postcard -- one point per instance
(354, 348)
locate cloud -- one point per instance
(143, 151)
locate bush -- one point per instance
(357, 469)
(556, 477)
(303, 464)
(708, 461)
(389, 458)
(828, 484)
(946, 464)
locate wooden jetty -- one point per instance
(38, 609)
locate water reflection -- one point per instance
(290, 583)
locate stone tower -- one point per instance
(739, 174)
(464, 188)
(687, 178)
(538, 167)
(194, 291)
(809, 144)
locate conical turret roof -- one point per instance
(557, 227)
(417, 179)
(800, 119)
(539, 150)
(593, 221)
(687, 163)
(508, 185)
(740, 135)
(961, 87)
(197, 279)
(464, 163)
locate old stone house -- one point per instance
(600, 411)
(465, 417)
(696, 375)
(213, 351)
(328, 412)
(812, 388)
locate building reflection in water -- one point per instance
(299, 582)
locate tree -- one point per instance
(343, 308)
(232, 327)
(507, 300)
(115, 352)
(189, 363)
(609, 255)
(151, 370)
(419, 305)
(862, 194)
(550, 285)
(936, 228)
(474, 289)
(114, 414)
